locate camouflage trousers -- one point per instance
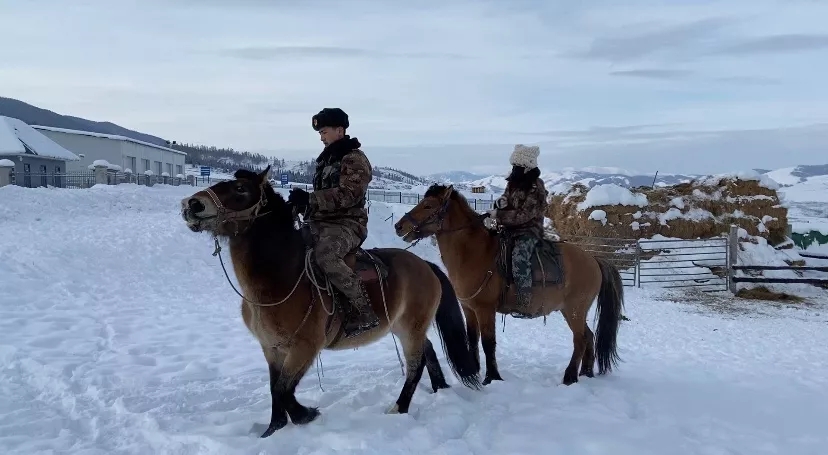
(524, 247)
(331, 243)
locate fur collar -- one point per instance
(338, 149)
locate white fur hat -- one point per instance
(525, 156)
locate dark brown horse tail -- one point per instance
(452, 329)
(608, 316)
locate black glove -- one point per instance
(299, 198)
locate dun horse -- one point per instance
(285, 308)
(472, 253)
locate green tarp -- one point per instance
(809, 238)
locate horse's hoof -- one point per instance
(272, 428)
(439, 387)
(488, 379)
(569, 380)
(307, 417)
(394, 409)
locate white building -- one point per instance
(130, 154)
(32, 152)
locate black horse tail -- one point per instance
(452, 329)
(608, 316)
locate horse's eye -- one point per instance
(240, 188)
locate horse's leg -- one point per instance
(413, 350)
(278, 414)
(487, 335)
(284, 376)
(576, 319)
(435, 372)
(472, 332)
(299, 414)
(589, 353)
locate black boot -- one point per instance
(522, 300)
(361, 316)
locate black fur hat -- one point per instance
(330, 116)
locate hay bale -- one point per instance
(702, 208)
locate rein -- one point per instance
(439, 216)
(251, 214)
(224, 215)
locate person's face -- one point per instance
(328, 135)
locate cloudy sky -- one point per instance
(678, 86)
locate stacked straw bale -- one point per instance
(700, 209)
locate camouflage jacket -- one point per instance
(525, 210)
(340, 185)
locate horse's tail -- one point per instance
(453, 335)
(608, 316)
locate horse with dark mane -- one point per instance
(568, 282)
(286, 306)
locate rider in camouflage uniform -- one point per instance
(520, 211)
(336, 211)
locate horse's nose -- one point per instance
(195, 205)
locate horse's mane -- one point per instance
(437, 190)
(280, 212)
(274, 243)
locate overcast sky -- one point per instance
(705, 86)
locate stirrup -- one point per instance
(357, 329)
(521, 310)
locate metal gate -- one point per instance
(674, 263)
(623, 253)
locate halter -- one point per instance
(438, 216)
(225, 215)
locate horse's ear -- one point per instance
(448, 191)
(265, 174)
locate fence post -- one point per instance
(637, 269)
(6, 169)
(732, 256)
(101, 177)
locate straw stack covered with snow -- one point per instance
(702, 208)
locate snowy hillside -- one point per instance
(454, 176)
(803, 183)
(301, 172)
(119, 334)
(560, 181)
(805, 193)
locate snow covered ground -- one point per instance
(120, 335)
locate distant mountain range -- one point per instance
(220, 158)
(33, 115)
(562, 180)
(454, 176)
(228, 160)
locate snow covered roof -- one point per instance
(114, 137)
(18, 138)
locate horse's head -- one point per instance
(426, 218)
(230, 207)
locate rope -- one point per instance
(388, 317)
(308, 270)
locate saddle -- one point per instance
(367, 265)
(545, 263)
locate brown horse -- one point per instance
(285, 308)
(471, 253)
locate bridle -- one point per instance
(225, 215)
(438, 216)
